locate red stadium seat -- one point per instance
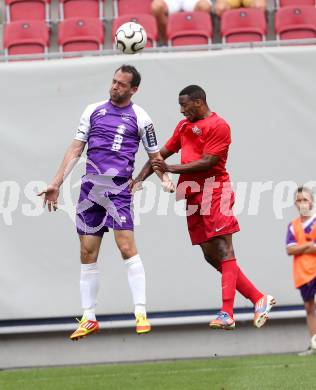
(147, 21)
(243, 25)
(80, 9)
(189, 28)
(27, 10)
(295, 22)
(80, 34)
(289, 3)
(26, 37)
(135, 7)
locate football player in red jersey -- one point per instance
(204, 140)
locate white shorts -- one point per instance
(181, 5)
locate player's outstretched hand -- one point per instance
(167, 184)
(135, 185)
(50, 197)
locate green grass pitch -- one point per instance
(238, 373)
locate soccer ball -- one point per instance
(313, 342)
(130, 38)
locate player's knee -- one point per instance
(88, 254)
(208, 259)
(222, 252)
(159, 8)
(310, 307)
(127, 250)
(213, 262)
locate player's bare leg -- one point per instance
(136, 277)
(311, 315)
(219, 253)
(218, 249)
(310, 308)
(89, 285)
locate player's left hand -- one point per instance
(168, 186)
(50, 197)
(159, 165)
(135, 185)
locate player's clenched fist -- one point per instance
(159, 165)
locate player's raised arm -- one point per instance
(70, 159)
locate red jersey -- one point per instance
(195, 139)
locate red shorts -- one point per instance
(209, 214)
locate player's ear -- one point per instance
(198, 103)
(134, 90)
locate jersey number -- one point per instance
(118, 139)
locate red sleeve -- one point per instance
(218, 140)
(174, 143)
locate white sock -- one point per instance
(137, 283)
(89, 287)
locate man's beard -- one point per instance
(118, 98)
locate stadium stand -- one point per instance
(239, 26)
(126, 7)
(27, 10)
(295, 22)
(78, 34)
(26, 37)
(289, 3)
(244, 25)
(147, 21)
(80, 9)
(189, 28)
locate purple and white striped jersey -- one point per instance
(113, 135)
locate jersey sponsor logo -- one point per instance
(125, 117)
(151, 135)
(123, 218)
(196, 130)
(80, 131)
(121, 129)
(102, 112)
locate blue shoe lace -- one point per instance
(223, 315)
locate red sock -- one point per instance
(229, 278)
(246, 288)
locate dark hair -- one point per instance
(133, 71)
(301, 189)
(194, 92)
